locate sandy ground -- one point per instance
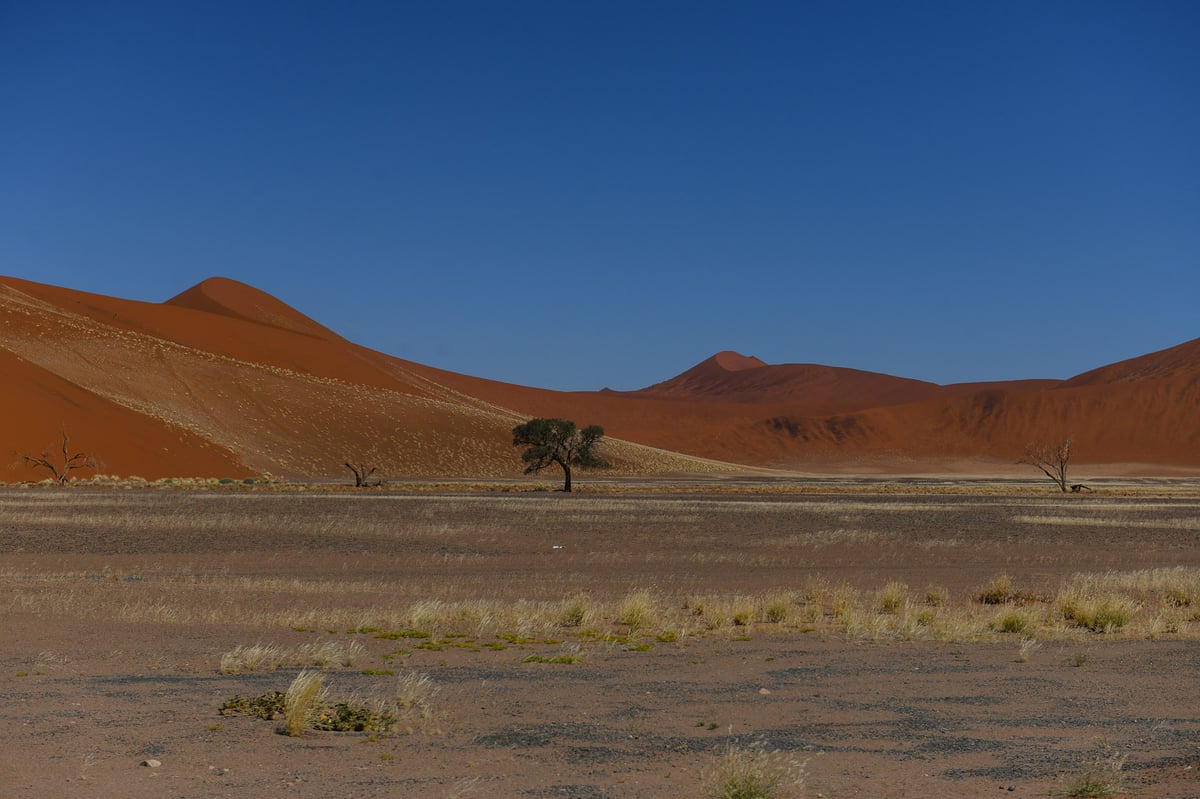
(115, 673)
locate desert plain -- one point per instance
(880, 637)
(794, 567)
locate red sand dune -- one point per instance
(224, 379)
(807, 388)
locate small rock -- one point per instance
(764, 691)
(151, 763)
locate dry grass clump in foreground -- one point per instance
(751, 772)
(1103, 776)
(305, 706)
(300, 703)
(414, 698)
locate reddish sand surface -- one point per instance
(224, 380)
(118, 606)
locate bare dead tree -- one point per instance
(361, 473)
(1052, 460)
(61, 465)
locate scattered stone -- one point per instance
(151, 763)
(764, 691)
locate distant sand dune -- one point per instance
(225, 380)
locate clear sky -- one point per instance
(584, 194)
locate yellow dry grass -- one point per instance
(449, 589)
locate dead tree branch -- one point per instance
(1052, 460)
(361, 473)
(62, 465)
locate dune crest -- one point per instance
(732, 361)
(222, 295)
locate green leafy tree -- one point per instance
(558, 441)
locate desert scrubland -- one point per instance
(882, 638)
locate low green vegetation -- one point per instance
(306, 706)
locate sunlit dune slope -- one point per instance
(225, 380)
(803, 417)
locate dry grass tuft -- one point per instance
(1026, 649)
(268, 657)
(414, 698)
(892, 598)
(750, 772)
(638, 611)
(304, 696)
(1103, 776)
(1106, 613)
(778, 607)
(999, 591)
(576, 612)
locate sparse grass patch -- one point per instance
(414, 697)
(1102, 614)
(892, 597)
(397, 635)
(750, 772)
(744, 611)
(303, 708)
(565, 660)
(778, 607)
(926, 617)
(638, 611)
(1026, 648)
(268, 657)
(575, 612)
(999, 591)
(1103, 776)
(936, 596)
(713, 613)
(841, 601)
(1011, 622)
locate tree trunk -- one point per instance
(566, 478)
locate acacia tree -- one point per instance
(61, 465)
(558, 441)
(1052, 460)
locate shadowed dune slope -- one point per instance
(36, 406)
(224, 379)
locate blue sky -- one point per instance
(580, 195)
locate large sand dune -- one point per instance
(224, 379)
